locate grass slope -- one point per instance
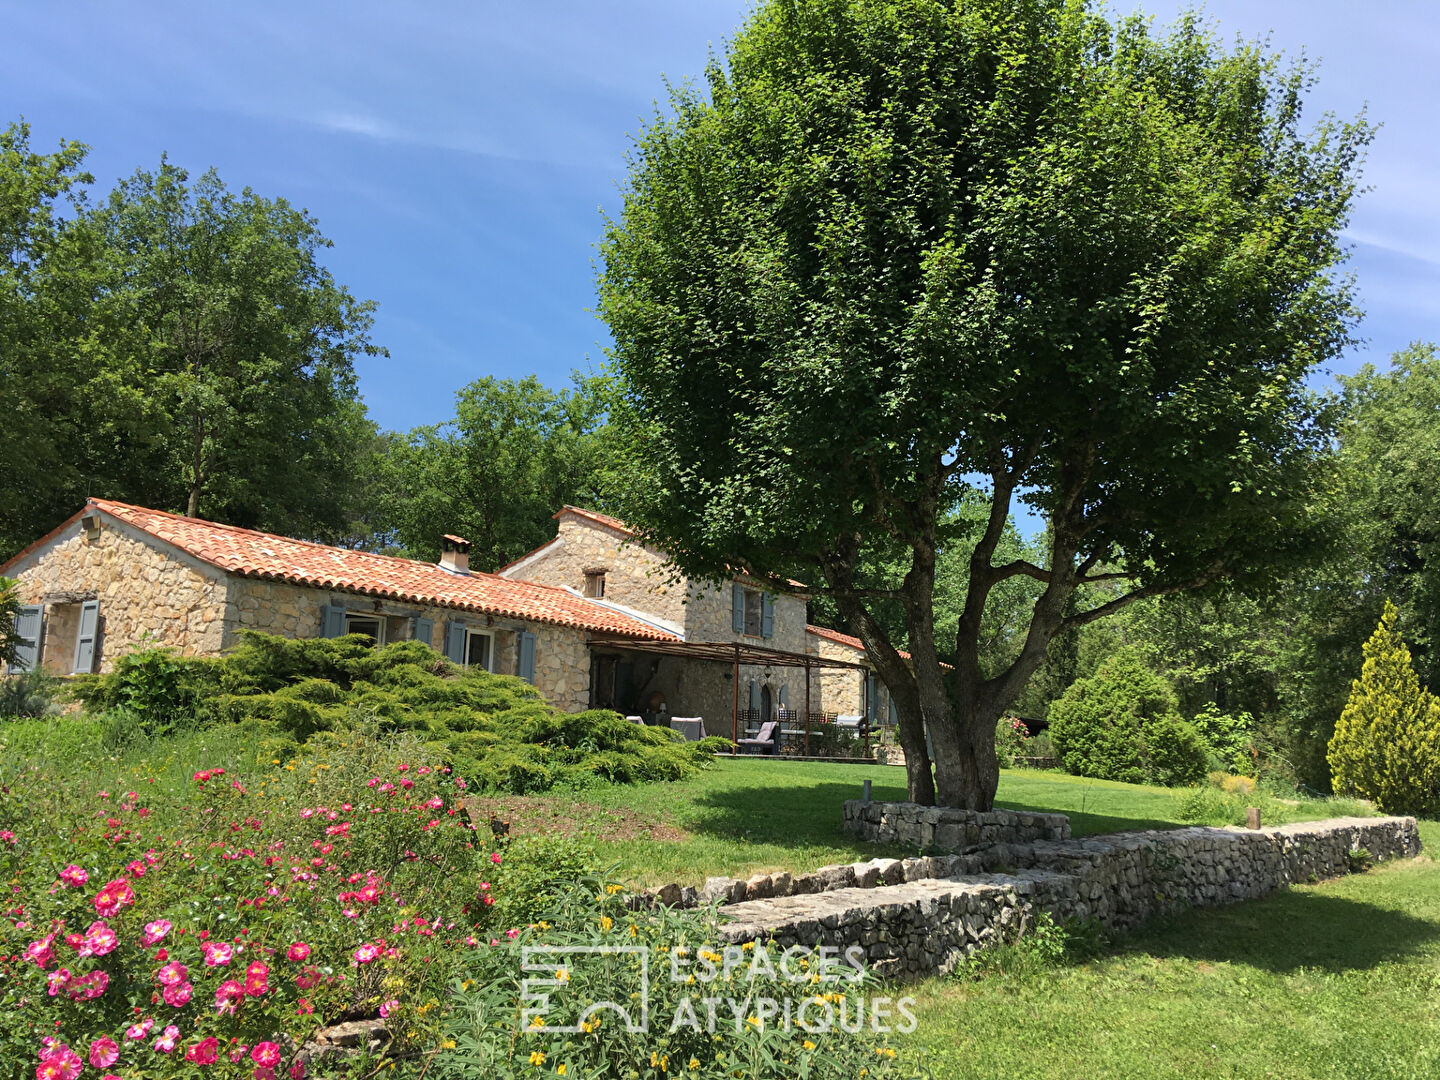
(748, 815)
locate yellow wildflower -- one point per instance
(537, 1057)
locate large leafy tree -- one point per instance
(515, 451)
(42, 412)
(908, 253)
(235, 347)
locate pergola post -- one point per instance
(735, 703)
(807, 708)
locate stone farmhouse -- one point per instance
(593, 618)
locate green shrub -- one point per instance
(9, 613)
(496, 731)
(1123, 723)
(1011, 737)
(28, 694)
(1386, 745)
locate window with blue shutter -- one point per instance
(425, 630)
(332, 621)
(737, 608)
(86, 640)
(871, 696)
(767, 616)
(894, 716)
(754, 698)
(525, 667)
(455, 642)
(27, 635)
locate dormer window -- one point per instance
(595, 582)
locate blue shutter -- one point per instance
(894, 716)
(526, 666)
(737, 608)
(767, 616)
(781, 698)
(332, 620)
(85, 640)
(27, 634)
(455, 642)
(425, 630)
(754, 698)
(871, 696)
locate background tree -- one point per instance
(515, 452)
(43, 415)
(912, 253)
(235, 348)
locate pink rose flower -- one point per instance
(217, 953)
(140, 1030)
(298, 952)
(59, 1062)
(257, 979)
(74, 876)
(113, 896)
(366, 953)
(297, 1071)
(266, 1054)
(166, 1042)
(228, 995)
(104, 1052)
(88, 987)
(387, 1007)
(42, 952)
(155, 931)
(172, 974)
(57, 980)
(178, 996)
(100, 939)
(205, 1052)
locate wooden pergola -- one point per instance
(736, 654)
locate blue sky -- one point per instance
(458, 154)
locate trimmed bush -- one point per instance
(1386, 745)
(1123, 723)
(497, 731)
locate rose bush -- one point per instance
(173, 927)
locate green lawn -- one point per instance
(1337, 979)
(748, 815)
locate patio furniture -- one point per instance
(636, 719)
(692, 727)
(767, 742)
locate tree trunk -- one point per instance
(966, 769)
(910, 726)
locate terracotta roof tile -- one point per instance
(846, 639)
(278, 558)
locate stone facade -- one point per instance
(911, 921)
(145, 595)
(640, 580)
(636, 576)
(152, 594)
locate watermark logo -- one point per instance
(707, 989)
(558, 962)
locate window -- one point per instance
(754, 609)
(595, 583)
(479, 650)
(372, 626)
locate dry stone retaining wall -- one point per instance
(947, 829)
(926, 925)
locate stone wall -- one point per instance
(923, 925)
(146, 597)
(945, 829)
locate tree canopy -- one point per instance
(179, 345)
(513, 454)
(907, 254)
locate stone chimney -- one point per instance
(455, 554)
